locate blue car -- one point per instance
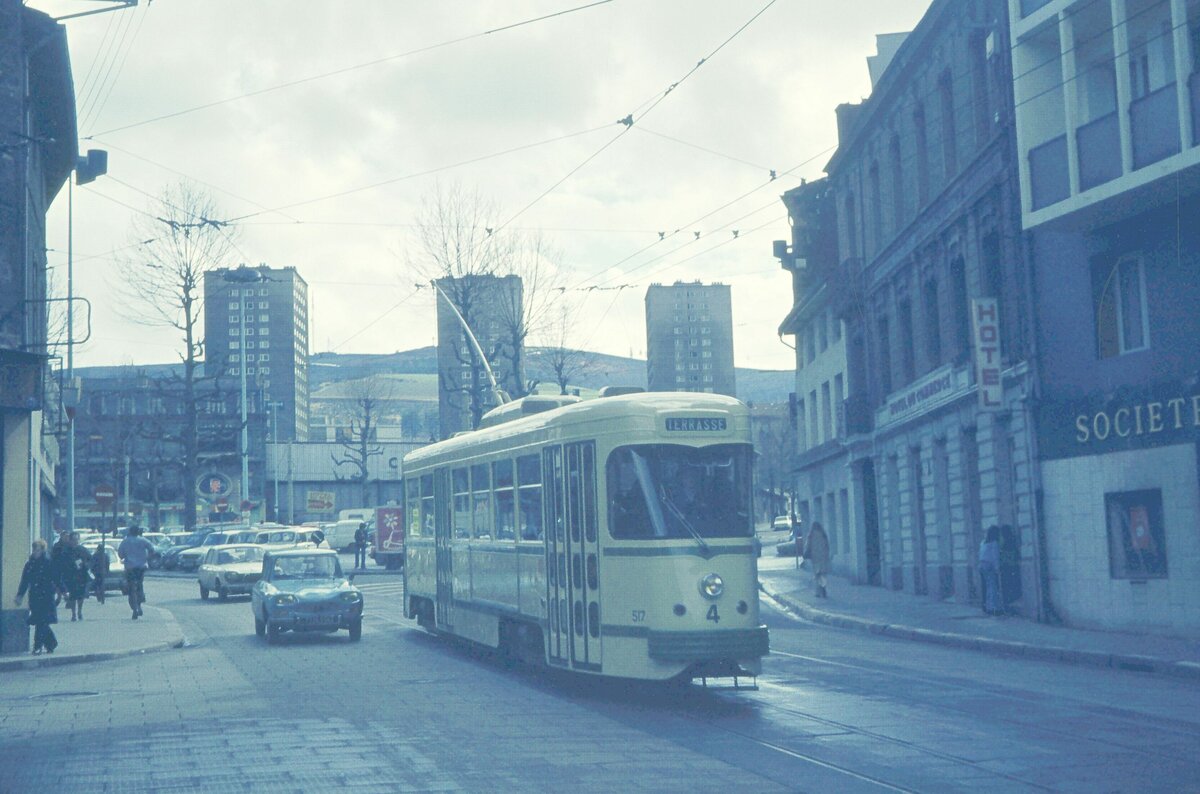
(304, 590)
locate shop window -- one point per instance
(1137, 546)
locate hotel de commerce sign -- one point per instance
(1150, 416)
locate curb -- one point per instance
(176, 640)
(1050, 653)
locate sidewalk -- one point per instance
(893, 614)
(107, 632)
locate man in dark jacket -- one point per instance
(360, 547)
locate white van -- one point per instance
(340, 536)
(357, 514)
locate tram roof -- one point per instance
(643, 404)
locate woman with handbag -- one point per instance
(39, 580)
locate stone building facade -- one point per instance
(931, 276)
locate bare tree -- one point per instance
(527, 312)
(565, 361)
(163, 285)
(371, 399)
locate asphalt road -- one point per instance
(401, 710)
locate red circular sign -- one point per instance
(104, 493)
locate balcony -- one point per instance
(1154, 125)
(1049, 176)
(1099, 143)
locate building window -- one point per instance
(959, 310)
(235, 357)
(1122, 317)
(233, 305)
(922, 154)
(899, 212)
(826, 411)
(264, 305)
(876, 199)
(839, 396)
(933, 327)
(949, 134)
(885, 358)
(823, 332)
(812, 418)
(851, 227)
(1137, 546)
(264, 318)
(262, 291)
(907, 358)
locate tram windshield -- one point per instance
(665, 491)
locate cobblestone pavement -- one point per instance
(837, 711)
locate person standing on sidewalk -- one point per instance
(41, 582)
(135, 552)
(75, 572)
(360, 547)
(989, 571)
(100, 570)
(816, 551)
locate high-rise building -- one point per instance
(493, 307)
(274, 304)
(689, 338)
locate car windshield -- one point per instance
(231, 556)
(315, 567)
(283, 537)
(665, 491)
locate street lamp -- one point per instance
(275, 406)
(87, 168)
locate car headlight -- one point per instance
(712, 585)
(284, 600)
(350, 597)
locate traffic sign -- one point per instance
(105, 495)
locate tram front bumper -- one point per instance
(694, 646)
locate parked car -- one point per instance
(230, 569)
(309, 536)
(279, 539)
(305, 590)
(244, 536)
(189, 559)
(115, 578)
(781, 523)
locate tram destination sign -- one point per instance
(695, 424)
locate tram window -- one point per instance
(427, 509)
(481, 498)
(664, 491)
(505, 515)
(574, 492)
(589, 493)
(412, 488)
(529, 498)
(461, 484)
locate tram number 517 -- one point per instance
(713, 615)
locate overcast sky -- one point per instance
(766, 100)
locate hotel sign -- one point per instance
(1134, 418)
(985, 326)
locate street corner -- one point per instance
(107, 632)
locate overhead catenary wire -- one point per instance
(99, 109)
(354, 67)
(115, 53)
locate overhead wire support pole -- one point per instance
(120, 6)
(501, 397)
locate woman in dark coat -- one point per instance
(39, 580)
(100, 570)
(75, 574)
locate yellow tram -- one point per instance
(612, 537)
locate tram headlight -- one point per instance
(712, 585)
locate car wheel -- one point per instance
(274, 632)
(222, 593)
(203, 593)
(356, 630)
(260, 626)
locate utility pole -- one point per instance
(291, 489)
(126, 506)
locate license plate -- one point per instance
(317, 620)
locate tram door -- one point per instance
(558, 630)
(573, 556)
(434, 503)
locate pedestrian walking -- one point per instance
(816, 551)
(74, 574)
(135, 552)
(38, 579)
(989, 571)
(100, 570)
(360, 547)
